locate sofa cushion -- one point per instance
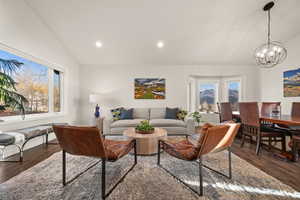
(6, 139)
(141, 113)
(126, 114)
(167, 123)
(157, 113)
(126, 123)
(171, 113)
(116, 113)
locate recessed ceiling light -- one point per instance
(160, 44)
(98, 44)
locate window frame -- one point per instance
(51, 67)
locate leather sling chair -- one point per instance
(213, 139)
(87, 141)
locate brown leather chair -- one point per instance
(213, 139)
(87, 141)
(251, 127)
(225, 112)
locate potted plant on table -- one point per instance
(197, 118)
(144, 128)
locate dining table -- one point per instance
(287, 121)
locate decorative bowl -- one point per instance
(144, 132)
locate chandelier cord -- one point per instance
(269, 27)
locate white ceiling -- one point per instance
(194, 31)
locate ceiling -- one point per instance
(194, 31)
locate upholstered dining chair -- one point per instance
(213, 139)
(296, 109)
(267, 108)
(87, 141)
(225, 112)
(251, 127)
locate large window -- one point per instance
(208, 96)
(205, 92)
(34, 82)
(233, 93)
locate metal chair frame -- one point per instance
(200, 164)
(104, 194)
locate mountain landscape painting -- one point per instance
(149, 88)
(291, 83)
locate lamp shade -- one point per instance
(94, 98)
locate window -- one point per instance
(208, 97)
(33, 82)
(233, 93)
(56, 90)
(205, 91)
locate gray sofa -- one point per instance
(156, 117)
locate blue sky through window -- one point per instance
(207, 86)
(31, 66)
(234, 85)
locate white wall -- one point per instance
(23, 30)
(272, 79)
(116, 84)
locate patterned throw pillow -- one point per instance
(181, 114)
(116, 113)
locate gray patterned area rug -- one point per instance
(145, 182)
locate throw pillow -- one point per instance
(126, 114)
(171, 113)
(181, 114)
(116, 113)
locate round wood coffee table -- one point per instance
(146, 144)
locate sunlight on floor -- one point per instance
(243, 188)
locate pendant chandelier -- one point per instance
(272, 53)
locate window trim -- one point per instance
(50, 65)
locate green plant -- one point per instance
(196, 116)
(144, 126)
(8, 92)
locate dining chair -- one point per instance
(213, 139)
(225, 112)
(88, 141)
(251, 127)
(295, 146)
(269, 108)
(296, 109)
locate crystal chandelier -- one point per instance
(272, 53)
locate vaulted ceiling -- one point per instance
(194, 31)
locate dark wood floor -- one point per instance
(31, 157)
(287, 172)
